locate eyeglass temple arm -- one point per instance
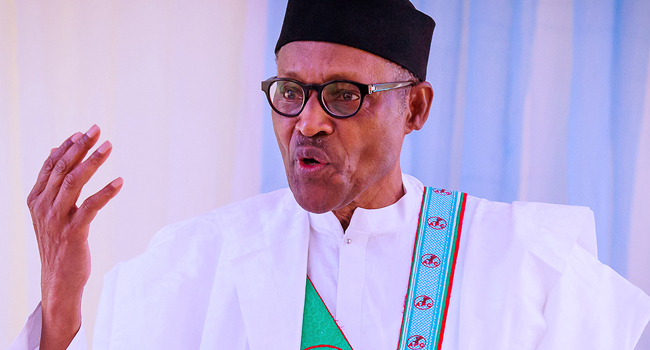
(388, 86)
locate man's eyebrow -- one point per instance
(289, 74)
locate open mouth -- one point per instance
(309, 161)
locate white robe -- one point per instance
(527, 277)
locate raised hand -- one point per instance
(62, 231)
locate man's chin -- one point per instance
(313, 205)
(315, 199)
(316, 209)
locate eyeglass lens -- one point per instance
(340, 98)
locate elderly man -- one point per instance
(355, 254)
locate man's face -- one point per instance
(332, 162)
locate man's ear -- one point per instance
(420, 99)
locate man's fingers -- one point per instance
(89, 208)
(48, 166)
(77, 178)
(68, 162)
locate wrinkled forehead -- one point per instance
(318, 62)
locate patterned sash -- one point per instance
(430, 282)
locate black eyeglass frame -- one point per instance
(364, 89)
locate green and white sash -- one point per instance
(430, 283)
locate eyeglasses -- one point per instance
(339, 98)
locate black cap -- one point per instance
(392, 29)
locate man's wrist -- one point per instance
(61, 320)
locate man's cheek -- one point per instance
(283, 138)
(375, 160)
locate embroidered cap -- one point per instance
(392, 29)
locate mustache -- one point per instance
(314, 141)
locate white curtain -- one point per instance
(543, 100)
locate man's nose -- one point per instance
(313, 119)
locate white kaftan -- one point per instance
(527, 277)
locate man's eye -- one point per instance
(348, 96)
(290, 95)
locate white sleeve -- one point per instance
(592, 307)
(30, 336)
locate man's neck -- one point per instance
(385, 192)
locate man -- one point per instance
(350, 86)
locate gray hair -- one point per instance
(402, 74)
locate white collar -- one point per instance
(376, 221)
